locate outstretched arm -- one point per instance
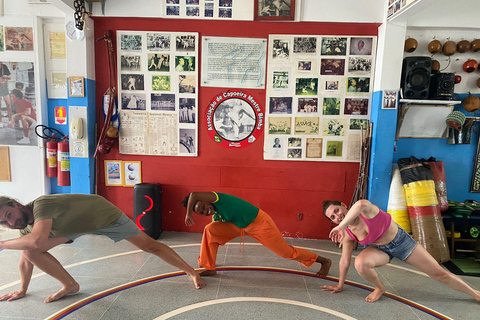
(26, 269)
(36, 239)
(364, 207)
(194, 197)
(344, 265)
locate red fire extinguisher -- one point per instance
(63, 166)
(51, 147)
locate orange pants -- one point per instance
(262, 229)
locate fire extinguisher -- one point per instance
(51, 147)
(57, 154)
(63, 167)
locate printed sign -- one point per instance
(60, 115)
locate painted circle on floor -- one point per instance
(82, 303)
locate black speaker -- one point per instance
(147, 208)
(442, 86)
(416, 77)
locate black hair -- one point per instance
(184, 202)
(19, 85)
(17, 93)
(328, 203)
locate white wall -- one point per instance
(449, 14)
(343, 10)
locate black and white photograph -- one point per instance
(186, 112)
(276, 142)
(331, 85)
(193, 2)
(192, 11)
(307, 105)
(234, 119)
(184, 63)
(173, 10)
(279, 125)
(173, 1)
(281, 105)
(390, 99)
(224, 13)
(280, 49)
(356, 106)
(334, 46)
(334, 127)
(162, 101)
(134, 101)
(187, 141)
(361, 46)
(306, 86)
(294, 153)
(332, 67)
(132, 82)
(158, 42)
(294, 142)
(358, 85)
(185, 43)
(130, 62)
(274, 9)
(131, 42)
(186, 84)
(359, 64)
(305, 45)
(158, 62)
(280, 79)
(18, 113)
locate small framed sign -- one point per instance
(274, 9)
(113, 173)
(76, 86)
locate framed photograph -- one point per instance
(75, 85)
(113, 173)
(274, 10)
(390, 99)
(132, 171)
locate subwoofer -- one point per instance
(147, 208)
(442, 86)
(416, 73)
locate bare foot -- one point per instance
(375, 295)
(325, 268)
(62, 293)
(208, 273)
(199, 282)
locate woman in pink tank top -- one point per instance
(384, 240)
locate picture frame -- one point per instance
(76, 86)
(274, 10)
(132, 173)
(390, 99)
(114, 175)
(475, 184)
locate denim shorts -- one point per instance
(400, 247)
(122, 229)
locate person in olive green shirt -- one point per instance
(235, 217)
(51, 220)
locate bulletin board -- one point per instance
(158, 92)
(318, 96)
(420, 121)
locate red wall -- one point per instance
(281, 188)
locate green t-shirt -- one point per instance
(73, 213)
(229, 208)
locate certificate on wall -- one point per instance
(233, 62)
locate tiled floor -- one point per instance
(98, 265)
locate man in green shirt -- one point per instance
(51, 220)
(235, 217)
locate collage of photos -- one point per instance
(158, 80)
(18, 107)
(395, 6)
(318, 96)
(199, 8)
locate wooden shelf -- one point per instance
(443, 102)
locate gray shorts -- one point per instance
(400, 247)
(122, 229)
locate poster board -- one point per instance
(5, 173)
(420, 121)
